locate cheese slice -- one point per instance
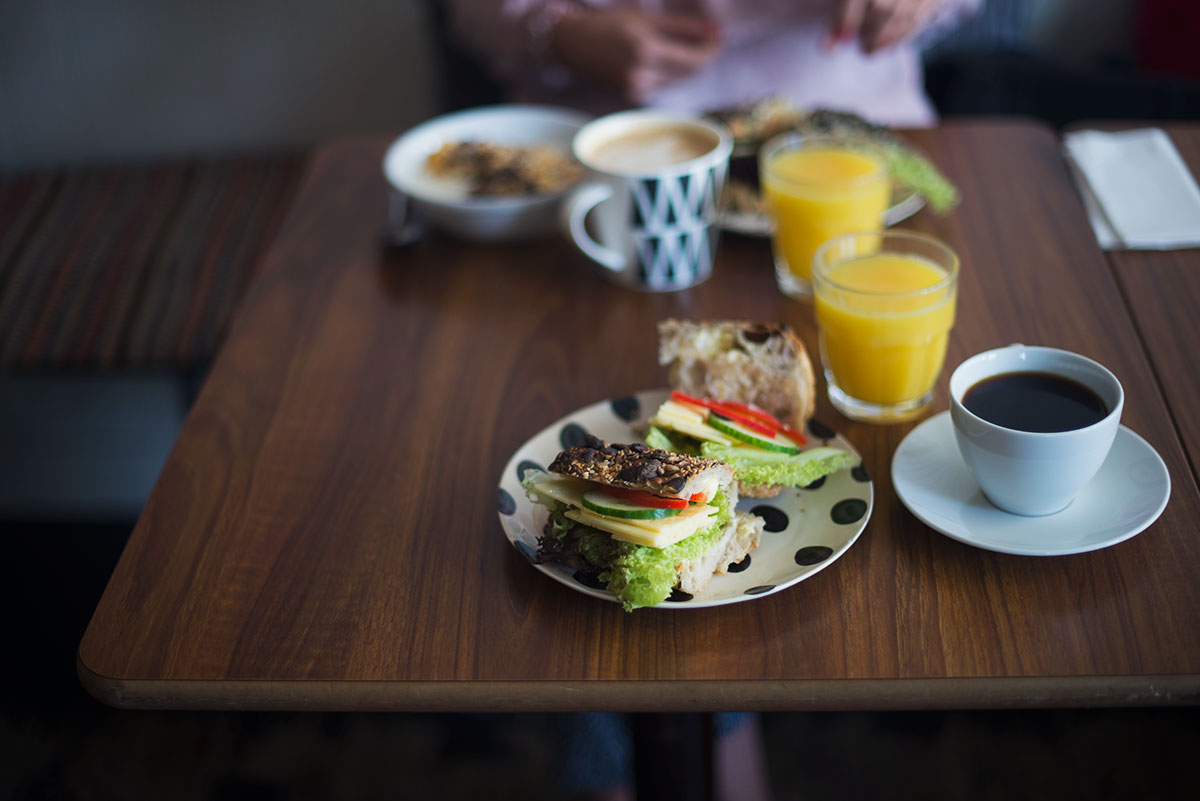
(690, 427)
(570, 491)
(659, 533)
(684, 410)
(563, 488)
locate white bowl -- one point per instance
(447, 204)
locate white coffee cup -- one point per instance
(655, 187)
(1029, 472)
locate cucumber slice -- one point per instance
(782, 443)
(602, 503)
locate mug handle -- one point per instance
(574, 214)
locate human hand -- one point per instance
(879, 23)
(635, 52)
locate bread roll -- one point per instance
(741, 536)
(765, 364)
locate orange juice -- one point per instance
(884, 319)
(818, 191)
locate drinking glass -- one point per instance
(885, 304)
(816, 188)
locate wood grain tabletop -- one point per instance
(325, 533)
(1162, 288)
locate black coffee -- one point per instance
(1040, 402)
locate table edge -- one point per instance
(645, 696)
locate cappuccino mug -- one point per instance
(653, 198)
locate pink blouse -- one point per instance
(772, 48)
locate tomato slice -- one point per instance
(698, 497)
(726, 410)
(676, 395)
(749, 415)
(766, 418)
(792, 434)
(640, 498)
(754, 411)
(746, 420)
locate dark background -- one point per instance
(384, 66)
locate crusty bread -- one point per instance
(760, 491)
(741, 536)
(765, 364)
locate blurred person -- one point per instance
(861, 56)
(597, 759)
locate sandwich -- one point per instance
(642, 522)
(764, 364)
(753, 126)
(743, 393)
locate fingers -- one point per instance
(893, 20)
(684, 44)
(847, 20)
(878, 24)
(635, 52)
(699, 31)
(674, 47)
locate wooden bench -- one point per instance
(117, 284)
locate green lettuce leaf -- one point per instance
(755, 468)
(920, 175)
(637, 574)
(668, 440)
(644, 576)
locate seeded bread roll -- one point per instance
(765, 364)
(640, 467)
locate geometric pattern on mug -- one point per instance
(677, 257)
(687, 200)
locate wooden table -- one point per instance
(324, 535)
(1162, 288)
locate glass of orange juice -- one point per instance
(816, 188)
(885, 305)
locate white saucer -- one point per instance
(1126, 496)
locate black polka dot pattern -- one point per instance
(589, 580)
(813, 555)
(626, 408)
(572, 434)
(820, 430)
(505, 503)
(527, 466)
(527, 551)
(776, 519)
(739, 567)
(848, 511)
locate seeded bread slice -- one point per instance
(641, 467)
(765, 364)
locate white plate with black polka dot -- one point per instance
(807, 529)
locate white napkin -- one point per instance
(1136, 188)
